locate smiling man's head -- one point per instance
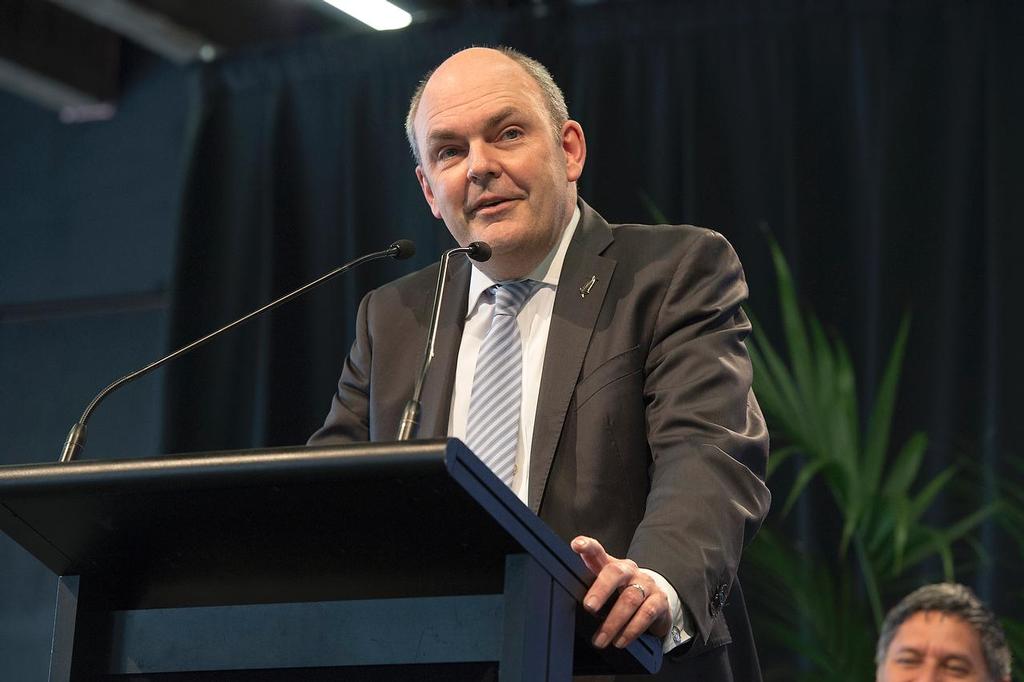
(942, 632)
(498, 157)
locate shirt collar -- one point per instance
(547, 271)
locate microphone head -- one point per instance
(403, 249)
(479, 251)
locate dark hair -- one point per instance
(554, 100)
(953, 600)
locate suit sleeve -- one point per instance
(708, 440)
(349, 418)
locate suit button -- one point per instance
(718, 600)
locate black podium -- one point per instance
(397, 561)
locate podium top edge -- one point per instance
(293, 459)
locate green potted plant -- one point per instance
(825, 603)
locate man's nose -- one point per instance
(482, 163)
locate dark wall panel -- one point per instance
(88, 218)
(90, 209)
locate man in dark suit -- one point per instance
(635, 434)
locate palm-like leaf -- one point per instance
(808, 608)
(811, 404)
(1011, 508)
(1010, 514)
(1015, 638)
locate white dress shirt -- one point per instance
(534, 322)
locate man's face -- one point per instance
(931, 646)
(492, 166)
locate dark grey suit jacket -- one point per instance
(647, 435)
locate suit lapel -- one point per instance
(572, 324)
(440, 381)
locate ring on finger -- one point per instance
(640, 587)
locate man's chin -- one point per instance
(500, 235)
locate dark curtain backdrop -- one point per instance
(881, 142)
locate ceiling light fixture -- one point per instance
(379, 14)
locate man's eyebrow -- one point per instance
(444, 134)
(501, 115)
(441, 136)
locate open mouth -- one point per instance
(492, 206)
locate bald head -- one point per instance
(491, 162)
(484, 58)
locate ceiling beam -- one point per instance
(151, 29)
(55, 58)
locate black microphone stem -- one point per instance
(76, 437)
(411, 414)
(407, 428)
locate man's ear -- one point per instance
(428, 193)
(574, 145)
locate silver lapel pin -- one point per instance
(585, 289)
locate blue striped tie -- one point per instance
(492, 428)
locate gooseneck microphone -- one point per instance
(478, 251)
(400, 250)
